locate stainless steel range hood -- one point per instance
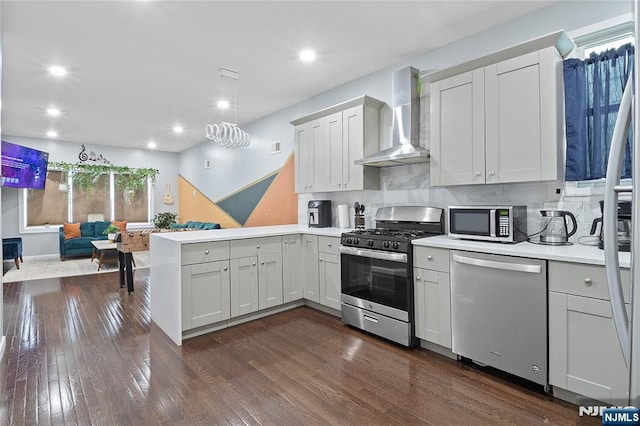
(405, 131)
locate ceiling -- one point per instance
(137, 68)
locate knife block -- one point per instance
(359, 222)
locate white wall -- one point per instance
(404, 185)
(46, 242)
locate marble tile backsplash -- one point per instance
(409, 185)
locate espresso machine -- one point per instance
(319, 213)
(623, 228)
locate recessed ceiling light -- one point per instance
(307, 55)
(151, 145)
(57, 70)
(178, 129)
(53, 111)
(52, 134)
(223, 104)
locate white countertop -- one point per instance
(186, 237)
(577, 253)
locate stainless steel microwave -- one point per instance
(504, 224)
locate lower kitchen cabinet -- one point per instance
(329, 271)
(256, 274)
(584, 353)
(292, 284)
(310, 274)
(205, 294)
(432, 295)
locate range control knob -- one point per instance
(386, 244)
(395, 245)
(356, 240)
(370, 243)
(349, 240)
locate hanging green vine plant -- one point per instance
(86, 176)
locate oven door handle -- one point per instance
(374, 254)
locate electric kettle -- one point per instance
(554, 227)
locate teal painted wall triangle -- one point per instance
(241, 204)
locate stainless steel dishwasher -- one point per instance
(499, 312)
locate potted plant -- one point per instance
(164, 220)
(110, 232)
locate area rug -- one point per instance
(52, 267)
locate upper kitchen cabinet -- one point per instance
(499, 119)
(328, 142)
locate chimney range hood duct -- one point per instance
(405, 131)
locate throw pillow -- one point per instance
(122, 224)
(71, 230)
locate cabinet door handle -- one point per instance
(329, 244)
(206, 252)
(262, 263)
(253, 264)
(285, 241)
(417, 278)
(587, 282)
(258, 246)
(344, 184)
(430, 257)
(492, 173)
(225, 268)
(320, 259)
(478, 174)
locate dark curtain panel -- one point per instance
(592, 92)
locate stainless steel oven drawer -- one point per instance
(389, 328)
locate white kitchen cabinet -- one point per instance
(204, 273)
(432, 295)
(499, 123)
(328, 142)
(584, 353)
(256, 274)
(292, 286)
(205, 294)
(311, 273)
(329, 271)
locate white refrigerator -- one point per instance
(627, 325)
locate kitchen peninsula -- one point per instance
(204, 281)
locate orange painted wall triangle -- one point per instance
(194, 205)
(279, 204)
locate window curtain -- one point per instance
(592, 93)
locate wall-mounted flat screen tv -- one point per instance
(23, 167)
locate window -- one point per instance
(54, 206)
(594, 80)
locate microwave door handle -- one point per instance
(492, 222)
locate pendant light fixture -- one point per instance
(228, 135)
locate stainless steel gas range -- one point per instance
(377, 271)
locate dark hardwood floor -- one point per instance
(82, 351)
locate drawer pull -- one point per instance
(329, 244)
(587, 282)
(262, 263)
(285, 241)
(258, 246)
(225, 268)
(253, 264)
(430, 257)
(206, 252)
(320, 259)
(370, 318)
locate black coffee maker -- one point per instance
(624, 226)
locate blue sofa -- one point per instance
(195, 225)
(12, 249)
(82, 246)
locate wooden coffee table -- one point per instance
(104, 246)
